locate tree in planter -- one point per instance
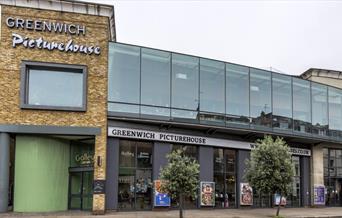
(270, 168)
(181, 177)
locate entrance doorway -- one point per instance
(81, 191)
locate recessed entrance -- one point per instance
(80, 190)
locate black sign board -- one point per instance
(99, 186)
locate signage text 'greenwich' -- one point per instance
(158, 136)
(54, 27)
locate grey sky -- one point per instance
(290, 36)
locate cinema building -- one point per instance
(86, 122)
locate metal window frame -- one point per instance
(24, 86)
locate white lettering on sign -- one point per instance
(188, 139)
(40, 43)
(39, 25)
(56, 27)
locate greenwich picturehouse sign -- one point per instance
(52, 27)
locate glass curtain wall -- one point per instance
(135, 175)
(301, 105)
(260, 98)
(335, 111)
(154, 84)
(124, 78)
(237, 94)
(212, 91)
(282, 101)
(333, 176)
(185, 86)
(225, 178)
(319, 95)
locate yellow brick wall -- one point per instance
(10, 59)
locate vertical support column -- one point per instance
(160, 150)
(317, 171)
(4, 170)
(242, 155)
(113, 149)
(305, 183)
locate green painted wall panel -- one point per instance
(41, 174)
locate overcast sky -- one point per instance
(289, 36)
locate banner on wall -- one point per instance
(246, 194)
(160, 199)
(277, 200)
(207, 194)
(319, 194)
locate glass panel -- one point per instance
(127, 153)
(212, 86)
(282, 101)
(55, 88)
(296, 163)
(87, 203)
(75, 203)
(301, 105)
(211, 118)
(184, 115)
(230, 161)
(319, 109)
(144, 155)
(338, 158)
(124, 73)
(155, 112)
(88, 183)
(237, 93)
(230, 192)
(185, 82)
(76, 182)
(143, 189)
(218, 160)
(81, 154)
(335, 111)
(260, 97)
(155, 77)
(126, 197)
(220, 201)
(124, 108)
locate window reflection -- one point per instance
(301, 105)
(319, 109)
(237, 94)
(335, 111)
(185, 75)
(260, 97)
(124, 73)
(155, 77)
(212, 86)
(282, 101)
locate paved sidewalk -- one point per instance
(228, 213)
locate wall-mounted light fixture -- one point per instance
(99, 161)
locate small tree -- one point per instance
(270, 168)
(181, 177)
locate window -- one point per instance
(319, 95)
(237, 94)
(185, 85)
(333, 176)
(225, 178)
(301, 106)
(335, 112)
(124, 73)
(53, 86)
(260, 97)
(282, 101)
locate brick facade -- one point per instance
(11, 58)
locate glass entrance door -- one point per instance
(81, 190)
